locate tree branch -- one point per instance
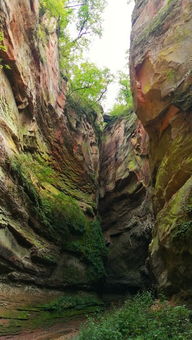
(102, 94)
(80, 88)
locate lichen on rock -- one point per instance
(160, 63)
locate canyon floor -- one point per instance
(21, 317)
(61, 331)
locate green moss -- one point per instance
(19, 173)
(60, 215)
(169, 1)
(83, 109)
(41, 172)
(78, 302)
(155, 25)
(55, 209)
(91, 247)
(45, 315)
(171, 75)
(182, 233)
(42, 34)
(170, 178)
(169, 220)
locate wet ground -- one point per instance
(21, 318)
(61, 331)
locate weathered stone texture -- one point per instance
(161, 60)
(44, 135)
(125, 203)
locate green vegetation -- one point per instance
(56, 8)
(34, 316)
(155, 26)
(91, 110)
(75, 302)
(141, 318)
(90, 82)
(91, 246)
(2, 48)
(171, 75)
(124, 104)
(183, 231)
(86, 82)
(59, 214)
(20, 168)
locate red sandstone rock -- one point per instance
(36, 121)
(125, 203)
(161, 60)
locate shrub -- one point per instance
(137, 320)
(92, 247)
(79, 301)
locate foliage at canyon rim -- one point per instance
(124, 101)
(2, 48)
(86, 82)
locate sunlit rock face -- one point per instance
(125, 203)
(49, 157)
(161, 64)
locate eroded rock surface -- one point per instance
(161, 60)
(49, 161)
(125, 203)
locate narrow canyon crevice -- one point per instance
(125, 204)
(83, 210)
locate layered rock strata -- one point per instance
(125, 205)
(161, 60)
(49, 160)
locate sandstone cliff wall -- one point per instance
(125, 203)
(161, 60)
(49, 160)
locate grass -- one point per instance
(141, 318)
(62, 308)
(79, 302)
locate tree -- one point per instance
(125, 95)
(124, 103)
(57, 9)
(89, 82)
(86, 82)
(86, 18)
(86, 14)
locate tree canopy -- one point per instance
(124, 100)
(84, 78)
(90, 81)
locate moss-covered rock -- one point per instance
(161, 82)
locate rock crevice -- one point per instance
(57, 174)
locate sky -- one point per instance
(110, 50)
